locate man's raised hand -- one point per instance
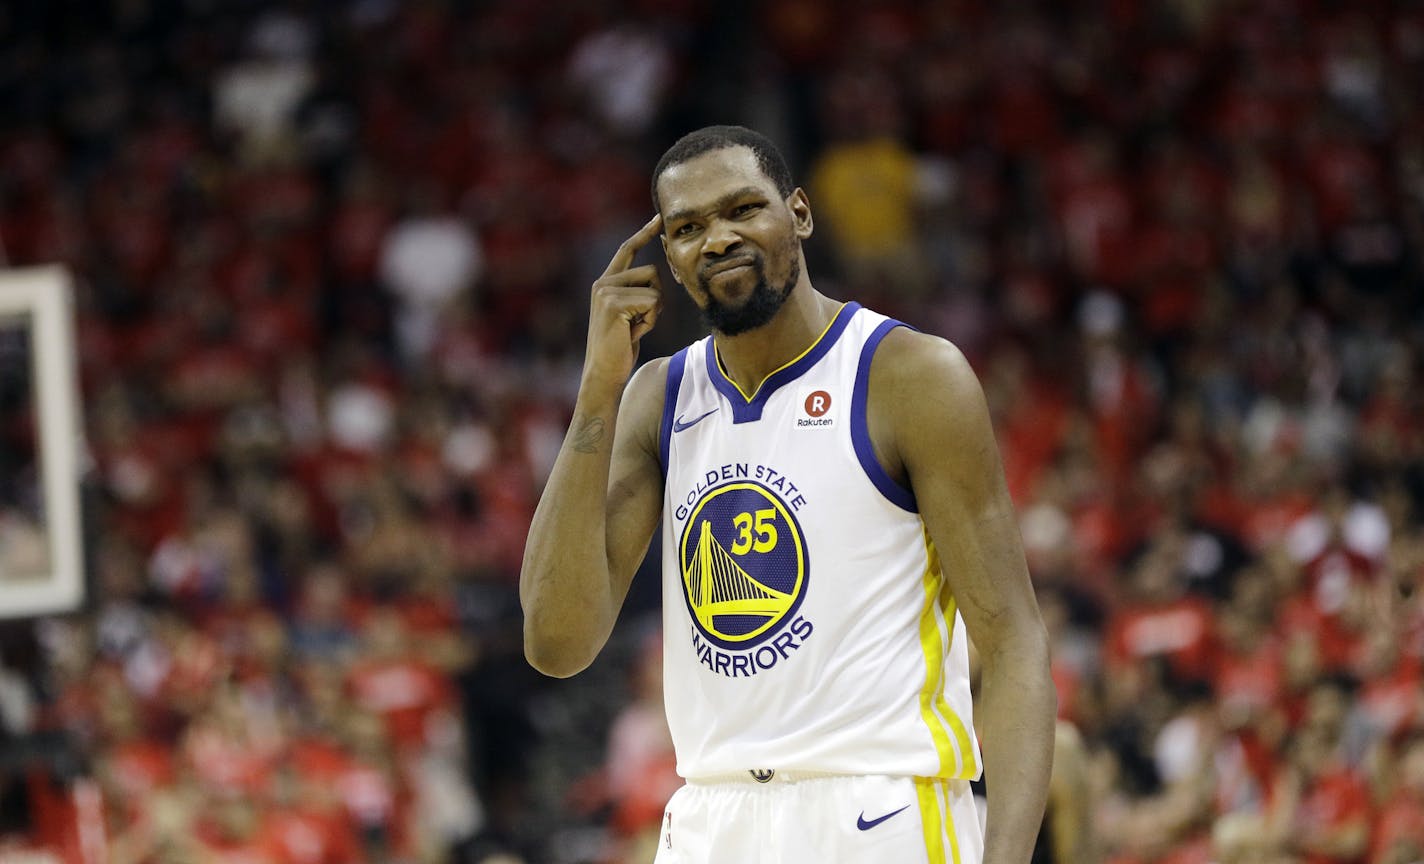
(625, 305)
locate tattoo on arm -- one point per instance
(588, 434)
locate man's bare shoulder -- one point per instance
(642, 407)
(649, 379)
(927, 409)
(913, 372)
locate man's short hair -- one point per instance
(710, 138)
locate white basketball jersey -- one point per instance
(806, 623)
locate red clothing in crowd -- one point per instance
(1180, 631)
(1339, 646)
(405, 693)
(1392, 701)
(305, 837)
(1401, 821)
(374, 801)
(1095, 210)
(1067, 682)
(137, 768)
(1029, 437)
(1245, 769)
(1250, 679)
(215, 847)
(1194, 851)
(318, 761)
(227, 763)
(1267, 521)
(1336, 799)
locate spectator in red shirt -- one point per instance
(302, 828)
(372, 788)
(1391, 699)
(392, 683)
(230, 748)
(1160, 620)
(1399, 831)
(1321, 808)
(232, 829)
(1249, 675)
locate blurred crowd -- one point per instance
(331, 261)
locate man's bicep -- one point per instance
(983, 562)
(946, 440)
(635, 479)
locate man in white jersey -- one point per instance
(835, 526)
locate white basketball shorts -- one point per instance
(801, 818)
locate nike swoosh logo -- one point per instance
(866, 826)
(678, 426)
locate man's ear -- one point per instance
(800, 207)
(671, 269)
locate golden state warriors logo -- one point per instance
(744, 564)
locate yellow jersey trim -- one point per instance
(932, 644)
(956, 753)
(969, 765)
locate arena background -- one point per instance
(331, 261)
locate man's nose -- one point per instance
(720, 240)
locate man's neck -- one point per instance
(749, 358)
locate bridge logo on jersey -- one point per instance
(744, 574)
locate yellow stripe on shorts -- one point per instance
(936, 820)
(929, 819)
(949, 828)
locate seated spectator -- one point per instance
(1159, 620)
(1399, 830)
(321, 626)
(1320, 807)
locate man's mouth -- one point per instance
(728, 266)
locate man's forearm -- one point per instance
(564, 583)
(1017, 710)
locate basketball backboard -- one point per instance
(41, 558)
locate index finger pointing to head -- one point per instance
(623, 258)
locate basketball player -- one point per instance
(834, 518)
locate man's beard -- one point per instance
(760, 307)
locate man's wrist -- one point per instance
(598, 393)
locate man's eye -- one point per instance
(745, 209)
(683, 230)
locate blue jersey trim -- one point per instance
(897, 494)
(746, 410)
(676, 365)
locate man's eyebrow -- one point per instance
(688, 213)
